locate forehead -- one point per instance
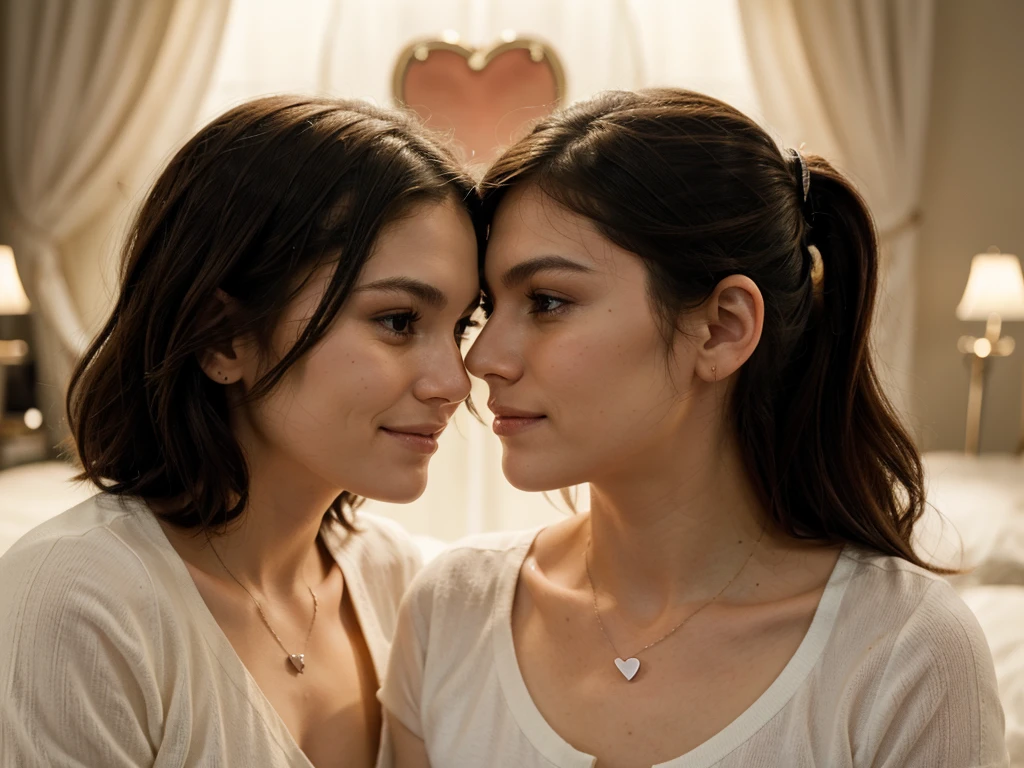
(432, 241)
(529, 223)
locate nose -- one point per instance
(495, 352)
(444, 375)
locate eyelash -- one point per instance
(487, 304)
(411, 318)
(538, 298)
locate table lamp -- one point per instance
(13, 301)
(994, 292)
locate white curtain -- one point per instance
(852, 80)
(93, 93)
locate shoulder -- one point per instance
(908, 600)
(924, 635)
(929, 667)
(944, 633)
(80, 579)
(477, 561)
(98, 544)
(377, 546)
(468, 575)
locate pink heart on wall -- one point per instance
(484, 97)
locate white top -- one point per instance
(109, 656)
(893, 672)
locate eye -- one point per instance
(399, 323)
(543, 304)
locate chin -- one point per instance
(537, 476)
(399, 491)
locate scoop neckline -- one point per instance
(226, 654)
(560, 753)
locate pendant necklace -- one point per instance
(298, 660)
(630, 665)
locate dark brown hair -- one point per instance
(699, 192)
(250, 206)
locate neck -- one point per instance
(272, 547)
(661, 535)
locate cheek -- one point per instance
(355, 381)
(609, 373)
(330, 400)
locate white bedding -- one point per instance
(975, 518)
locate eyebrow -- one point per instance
(424, 291)
(524, 270)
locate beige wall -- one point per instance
(973, 198)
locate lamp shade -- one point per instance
(994, 287)
(13, 300)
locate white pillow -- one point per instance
(1000, 611)
(975, 517)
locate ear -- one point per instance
(732, 320)
(224, 363)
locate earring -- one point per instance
(714, 372)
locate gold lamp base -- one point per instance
(989, 345)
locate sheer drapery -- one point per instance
(90, 91)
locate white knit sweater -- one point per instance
(894, 672)
(109, 656)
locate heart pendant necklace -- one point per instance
(297, 660)
(630, 666)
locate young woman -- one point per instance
(286, 340)
(679, 316)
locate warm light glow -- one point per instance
(995, 287)
(33, 418)
(13, 300)
(982, 347)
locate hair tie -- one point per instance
(805, 172)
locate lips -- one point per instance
(513, 421)
(421, 438)
(424, 430)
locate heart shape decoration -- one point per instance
(629, 667)
(484, 97)
(298, 661)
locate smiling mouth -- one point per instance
(507, 426)
(419, 439)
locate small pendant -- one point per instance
(298, 661)
(629, 667)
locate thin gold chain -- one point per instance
(259, 608)
(680, 625)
